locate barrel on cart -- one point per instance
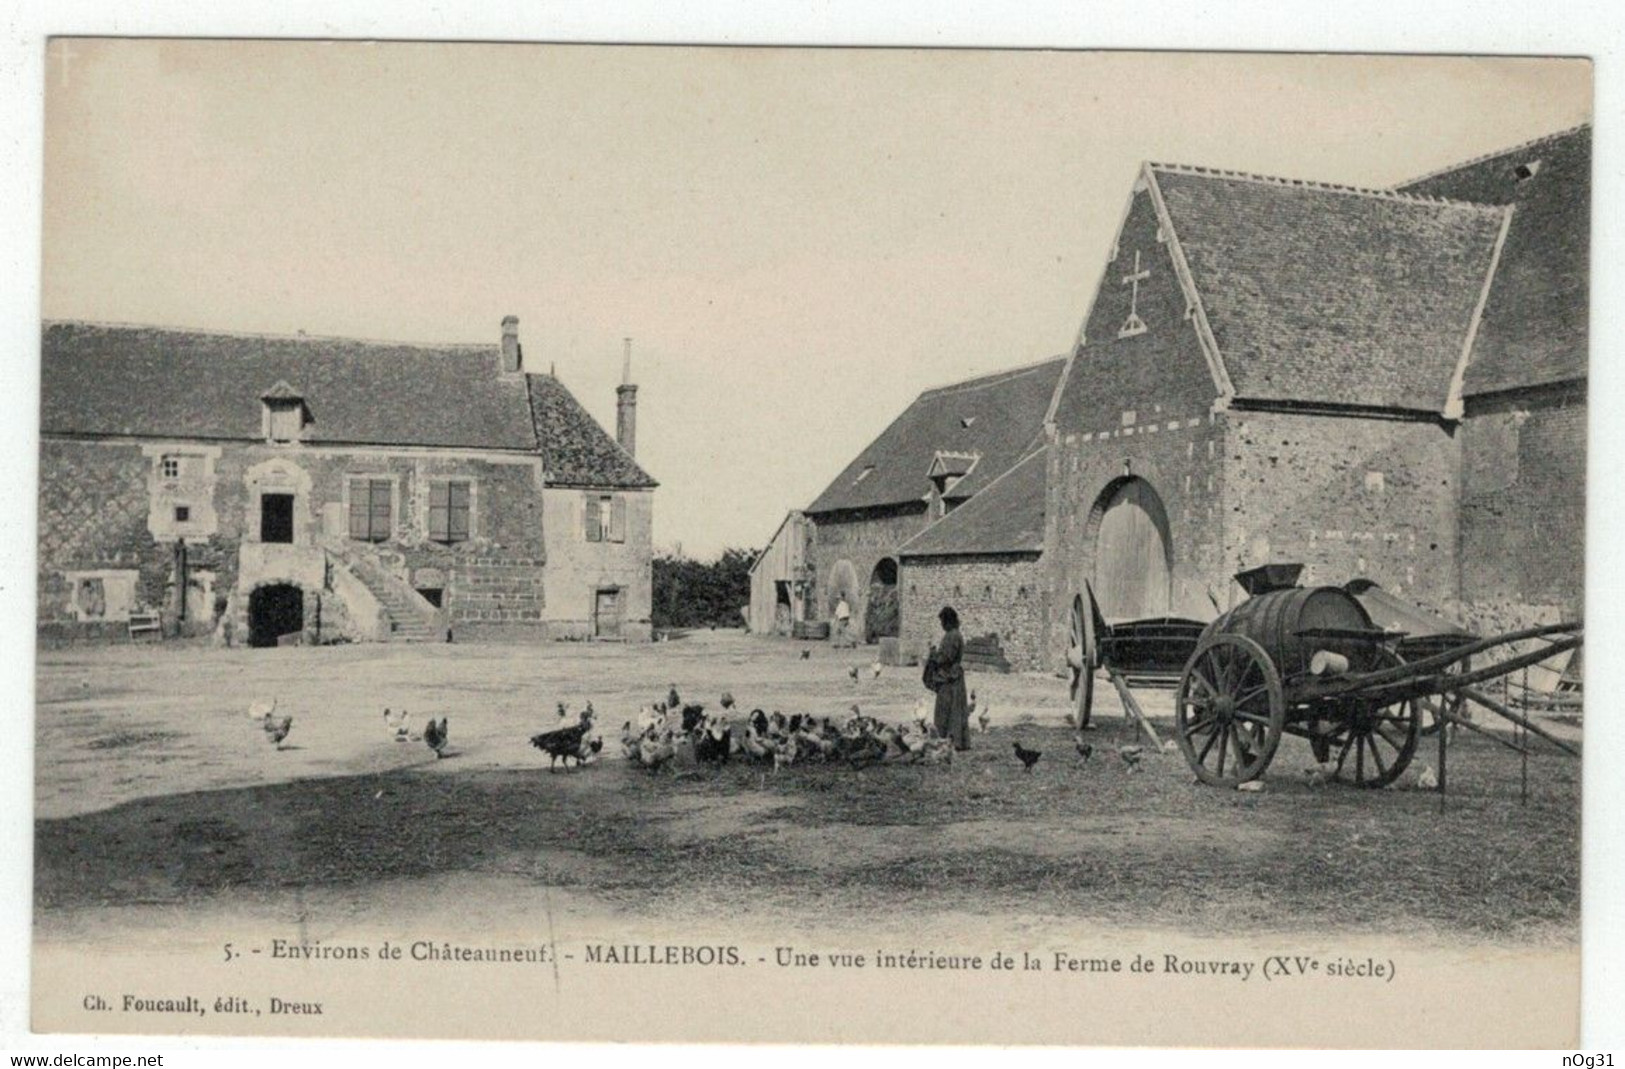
(1311, 662)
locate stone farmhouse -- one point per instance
(271, 489)
(1386, 384)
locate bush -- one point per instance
(690, 593)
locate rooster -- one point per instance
(399, 725)
(1085, 751)
(435, 736)
(715, 741)
(276, 728)
(1131, 756)
(1028, 758)
(563, 743)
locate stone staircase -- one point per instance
(407, 615)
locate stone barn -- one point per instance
(1523, 429)
(268, 490)
(1270, 370)
(943, 450)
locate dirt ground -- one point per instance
(157, 797)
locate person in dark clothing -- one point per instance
(948, 675)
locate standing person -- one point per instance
(843, 616)
(946, 670)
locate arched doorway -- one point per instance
(274, 610)
(881, 615)
(1133, 553)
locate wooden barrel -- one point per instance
(1273, 620)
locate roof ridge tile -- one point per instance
(1197, 171)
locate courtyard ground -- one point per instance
(157, 797)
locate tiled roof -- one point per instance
(576, 451)
(152, 382)
(997, 417)
(1534, 329)
(1006, 517)
(1329, 294)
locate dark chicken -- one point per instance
(1028, 758)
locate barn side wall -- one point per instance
(1347, 497)
(1523, 508)
(993, 594)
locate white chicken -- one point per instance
(398, 725)
(875, 669)
(1428, 780)
(260, 709)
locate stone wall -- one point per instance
(578, 569)
(112, 506)
(1523, 509)
(1000, 595)
(1348, 497)
(850, 544)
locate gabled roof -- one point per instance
(576, 451)
(1328, 295)
(100, 380)
(1006, 517)
(998, 417)
(1534, 330)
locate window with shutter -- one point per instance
(372, 509)
(595, 520)
(449, 519)
(617, 525)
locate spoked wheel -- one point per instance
(1450, 703)
(1229, 710)
(1373, 745)
(1082, 657)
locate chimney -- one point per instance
(510, 344)
(626, 406)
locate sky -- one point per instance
(798, 241)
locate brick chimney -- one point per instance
(511, 360)
(626, 406)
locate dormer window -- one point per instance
(285, 414)
(947, 469)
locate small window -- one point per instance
(449, 510)
(172, 467)
(183, 513)
(606, 518)
(285, 420)
(372, 509)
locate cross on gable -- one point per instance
(1134, 324)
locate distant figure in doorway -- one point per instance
(946, 674)
(843, 620)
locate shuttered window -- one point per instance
(595, 519)
(449, 519)
(617, 523)
(372, 509)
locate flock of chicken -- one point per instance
(671, 726)
(665, 728)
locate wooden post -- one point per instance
(1132, 708)
(1444, 723)
(1523, 760)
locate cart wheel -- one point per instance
(1375, 744)
(1082, 658)
(1229, 710)
(1449, 702)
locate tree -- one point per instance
(689, 593)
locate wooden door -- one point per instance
(276, 517)
(1133, 577)
(607, 614)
